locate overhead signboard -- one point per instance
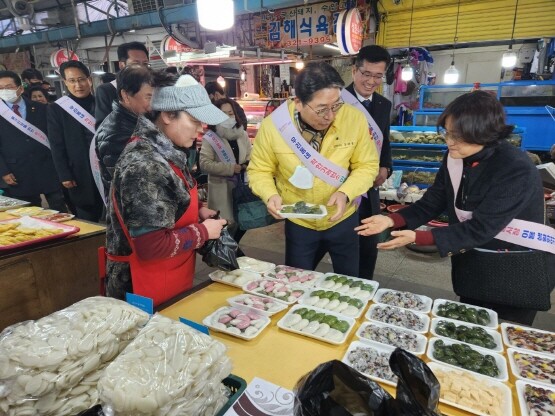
(62, 55)
(350, 31)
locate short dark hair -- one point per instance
(162, 79)
(107, 77)
(314, 77)
(12, 75)
(39, 88)
(477, 117)
(74, 64)
(124, 48)
(213, 87)
(372, 54)
(132, 78)
(31, 73)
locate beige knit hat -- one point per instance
(190, 96)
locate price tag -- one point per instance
(141, 302)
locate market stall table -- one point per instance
(275, 355)
(42, 278)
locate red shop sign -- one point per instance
(350, 31)
(60, 56)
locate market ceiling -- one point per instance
(169, 15)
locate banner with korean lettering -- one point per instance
(313, 24)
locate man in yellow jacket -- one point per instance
(317, 150)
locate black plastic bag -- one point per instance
(220, 253)
(335, 389)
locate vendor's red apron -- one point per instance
(162, 279)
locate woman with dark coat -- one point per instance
(497, 183)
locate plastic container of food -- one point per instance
(377, 366)
(259, 304)
(528, 339)
(321, 331)
(404, 338)
(353, 286)
(405, 300)
(294, 276)
(538, 368)
(494, 334)
(274, 289)
(334, 302)
(11, 203)
(243, 324)
(403, 318)
(493, 321)
(253, 265)
(30, 211)
(544, 404)
(235, 278)
(500, 361)
(475, 385)
(322, 214)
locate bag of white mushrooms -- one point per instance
(51, 366)
(169, 369)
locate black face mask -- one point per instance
(35, 84)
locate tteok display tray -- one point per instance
(38, 230)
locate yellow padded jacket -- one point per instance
(347, 144)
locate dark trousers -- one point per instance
(55, 200)
(367, 245)
(505, 312)
(305, 248)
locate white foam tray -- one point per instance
(506, 398)
(272, 274)
(253, 265)
(387, 349)
(495, 334)
(304, 216)
(259, 282)
(280, 306)
(351, 321)
(421, 340)
(514, 368)
(520, 388)
(375, 285)
(424, 318)
(494, 322)
(217, 276)
(425, 300)
(508, 343)
(499, 359)
(208, 321)
(308, 294)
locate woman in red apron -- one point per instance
(153, 226)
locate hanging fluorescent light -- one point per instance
(331, 46)
(299, 64)
(52, 74)
(451, 75)
(216, 14)
(407, 73)
(243, 75)
(221, 80)
(98, 70)
(509, 58)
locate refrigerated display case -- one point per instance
(256, 111)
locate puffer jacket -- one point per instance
(347, 144)
(111, 137)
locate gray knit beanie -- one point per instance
(190, 96)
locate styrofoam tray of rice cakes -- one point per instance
(372, 360)
(260, 304)
(403, 318)
(540, 405)
(317, 323)
(294, 275)
(237, 322)
(500, 360)
(353, 286)
(532, 366)
(253, 265)
(406, 300)
(334, 302)
(392, 336)
(236, 278)
(493, 320)
(275, 289)
(527, 339)
(288, 211)
(479, 390)
(492, 332)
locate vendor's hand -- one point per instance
(374, 225)
(339, 199)
(205, 213)
(214, 228)
(274, 205)
(10, 179)
(69, 184)
(237, 169)
(402, 238)
(381, 178)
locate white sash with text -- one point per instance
(23, 125)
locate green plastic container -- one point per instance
(237, 386)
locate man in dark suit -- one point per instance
(25, 164)
(128, 54)
(369, 70)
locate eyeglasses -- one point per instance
(77, 81)
(449, 136)
(368, 75)
(9, 87)
(325, 111)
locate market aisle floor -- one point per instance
(402, 269)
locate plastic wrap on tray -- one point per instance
(169, 369)
(50, 366)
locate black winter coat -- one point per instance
(29, 161)
(104, 96)
(111, 138)
(70, 142)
